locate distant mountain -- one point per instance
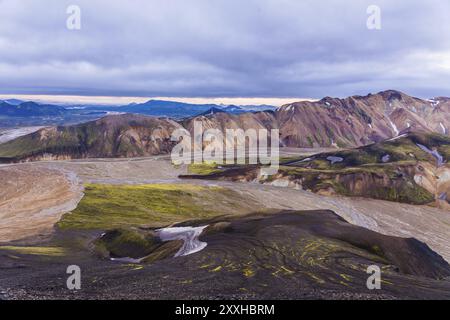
(180, 110)
(255, 108)
(212, 111)
(30, 109)
(171, 109)
(234, 109)
(158, 108)
(14, 102)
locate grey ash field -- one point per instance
(372, 189)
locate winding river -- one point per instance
(189, 235)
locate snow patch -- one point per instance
(334, 144)
(398, 137)
(114, 113)
(127, 260)
(434, 153)
(334, 159)
(434, 102)
(394, 127)
(444, 129)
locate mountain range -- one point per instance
(15, 108)
(350, 122)
(13, 102)
(178, 110)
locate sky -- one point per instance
(246, 50)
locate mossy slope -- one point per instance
(106, 207)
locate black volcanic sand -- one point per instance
(282, 255)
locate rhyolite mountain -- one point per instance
(350, 122)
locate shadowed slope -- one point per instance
(287, 254)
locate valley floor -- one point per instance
(34, 196)
(425, 223)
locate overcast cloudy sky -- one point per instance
(224, 48)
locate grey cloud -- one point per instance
(210, 48)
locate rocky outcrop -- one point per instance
(436, 181)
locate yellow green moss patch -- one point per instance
(41, 251)
(112, 206)
(248, 272)
(217, 269)
(346, 277)
(204, 168)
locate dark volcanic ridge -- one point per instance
(295, 255)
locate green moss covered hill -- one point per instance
(383, 170)
(113, 136)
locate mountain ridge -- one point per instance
(30, 109)
(159, 108)
(330, 122)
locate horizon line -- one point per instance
(123, 100)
